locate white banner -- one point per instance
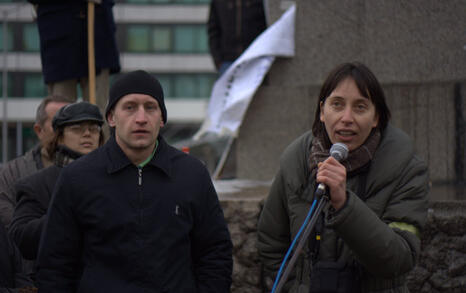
(233, 91)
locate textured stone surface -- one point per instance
(240, 201)
(441, 266)
(403, 41)
(284, 114)
(443, 258)
(426, 113)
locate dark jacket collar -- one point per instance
(36, 155)
(65, 155)
(161, 160)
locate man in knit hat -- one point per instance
(136, 215)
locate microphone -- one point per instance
(340, 152)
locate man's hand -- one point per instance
(333, 174)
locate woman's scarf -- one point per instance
(357, 158)
(65, 155)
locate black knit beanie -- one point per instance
(136, 82)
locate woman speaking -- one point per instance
(368, 238)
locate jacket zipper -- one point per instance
(139, 176)
(140, 193)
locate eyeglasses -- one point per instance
(81, 128)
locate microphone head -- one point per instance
(339, 151)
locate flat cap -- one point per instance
(75, 113)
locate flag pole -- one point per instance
(90, 51)
(5, 89)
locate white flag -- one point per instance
(233, 91)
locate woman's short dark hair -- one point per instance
(368, 86)
(59, 134)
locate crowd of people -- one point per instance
(128, 215)
(134, 214)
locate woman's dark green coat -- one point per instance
(379, 227)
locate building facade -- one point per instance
(167, 38)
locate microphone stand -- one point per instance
(323, 202)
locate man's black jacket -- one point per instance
(115, 228)
(32, 196)
(11, 272)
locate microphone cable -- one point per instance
(290, 249)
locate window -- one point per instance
(10, 36)
(167, 84)
(185, 86)
(134, 38)
(136, 1)
(10, 85)
(30, 38)
(185, 39)
(206, 82)
(202, 40)
(161, 39)
(21, 37)
(138, 38)
(193, 85)
(156, 38)
(34, 86)
(188, 1)
(190, 39)
(29, 139)
(190, 86)
(25, 85)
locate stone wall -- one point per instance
(441, 267)
(241, 202)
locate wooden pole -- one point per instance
(90, 51)
(219, 168)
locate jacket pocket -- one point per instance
(87, 283)
(334, 277)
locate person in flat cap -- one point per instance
(136, 215)
(77, 131)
